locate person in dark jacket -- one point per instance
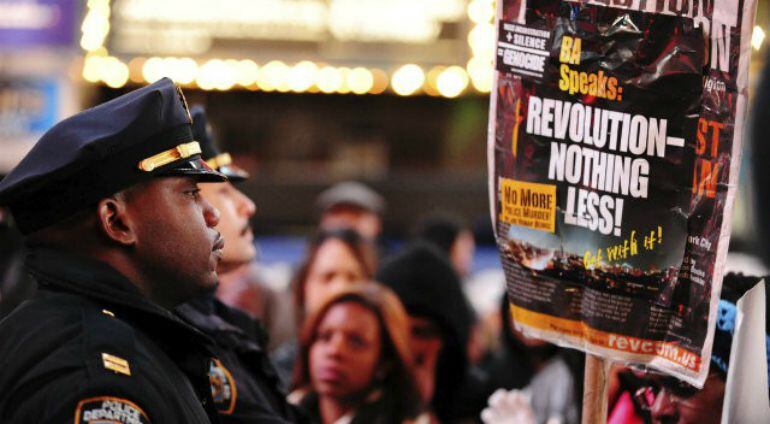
(452, 236)
(440, 323)
(244, 384)
(117, 236)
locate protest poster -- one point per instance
(614, 146)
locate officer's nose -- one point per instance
(246, 206)
(664, 407)
(210, 214)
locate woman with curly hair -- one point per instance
(354, 364)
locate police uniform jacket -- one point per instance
(244, 384)
(90, 348)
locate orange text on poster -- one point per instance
(530, 205)
(667, 350)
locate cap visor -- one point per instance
(196, 168)
(234, 173)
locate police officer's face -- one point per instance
(235, 209)
(334, 266)
(176, 243)
(345, 354)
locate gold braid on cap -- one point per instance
(220, 160)
(182, 151)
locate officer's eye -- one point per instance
(194, 193)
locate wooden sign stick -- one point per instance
(595, 387)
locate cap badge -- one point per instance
(223, 388)
(219, 161)
(182, 151)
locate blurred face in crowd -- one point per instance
(235, 211)
(426, 343)
(170, 227)
(364, 222)
(334, 266)
(462, 252)
(671, 401)
(345, 354)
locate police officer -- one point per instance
(244, 384)
(118, 235)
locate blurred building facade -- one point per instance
(39, 73)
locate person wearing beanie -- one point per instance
(440, 319)
(350, 204)
(451, 235)
(355, 206)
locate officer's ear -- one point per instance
(114, 220)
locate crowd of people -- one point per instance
(146, 304)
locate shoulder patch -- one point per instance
(109, 410)
(222, 387)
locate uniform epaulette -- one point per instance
(110, 342)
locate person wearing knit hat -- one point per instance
(440, 318)
(450, 234)
(353, 205)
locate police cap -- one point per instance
(216, 159)
(100, 151)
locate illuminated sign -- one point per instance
(37, 22)
(407, 47)
(194, 27)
